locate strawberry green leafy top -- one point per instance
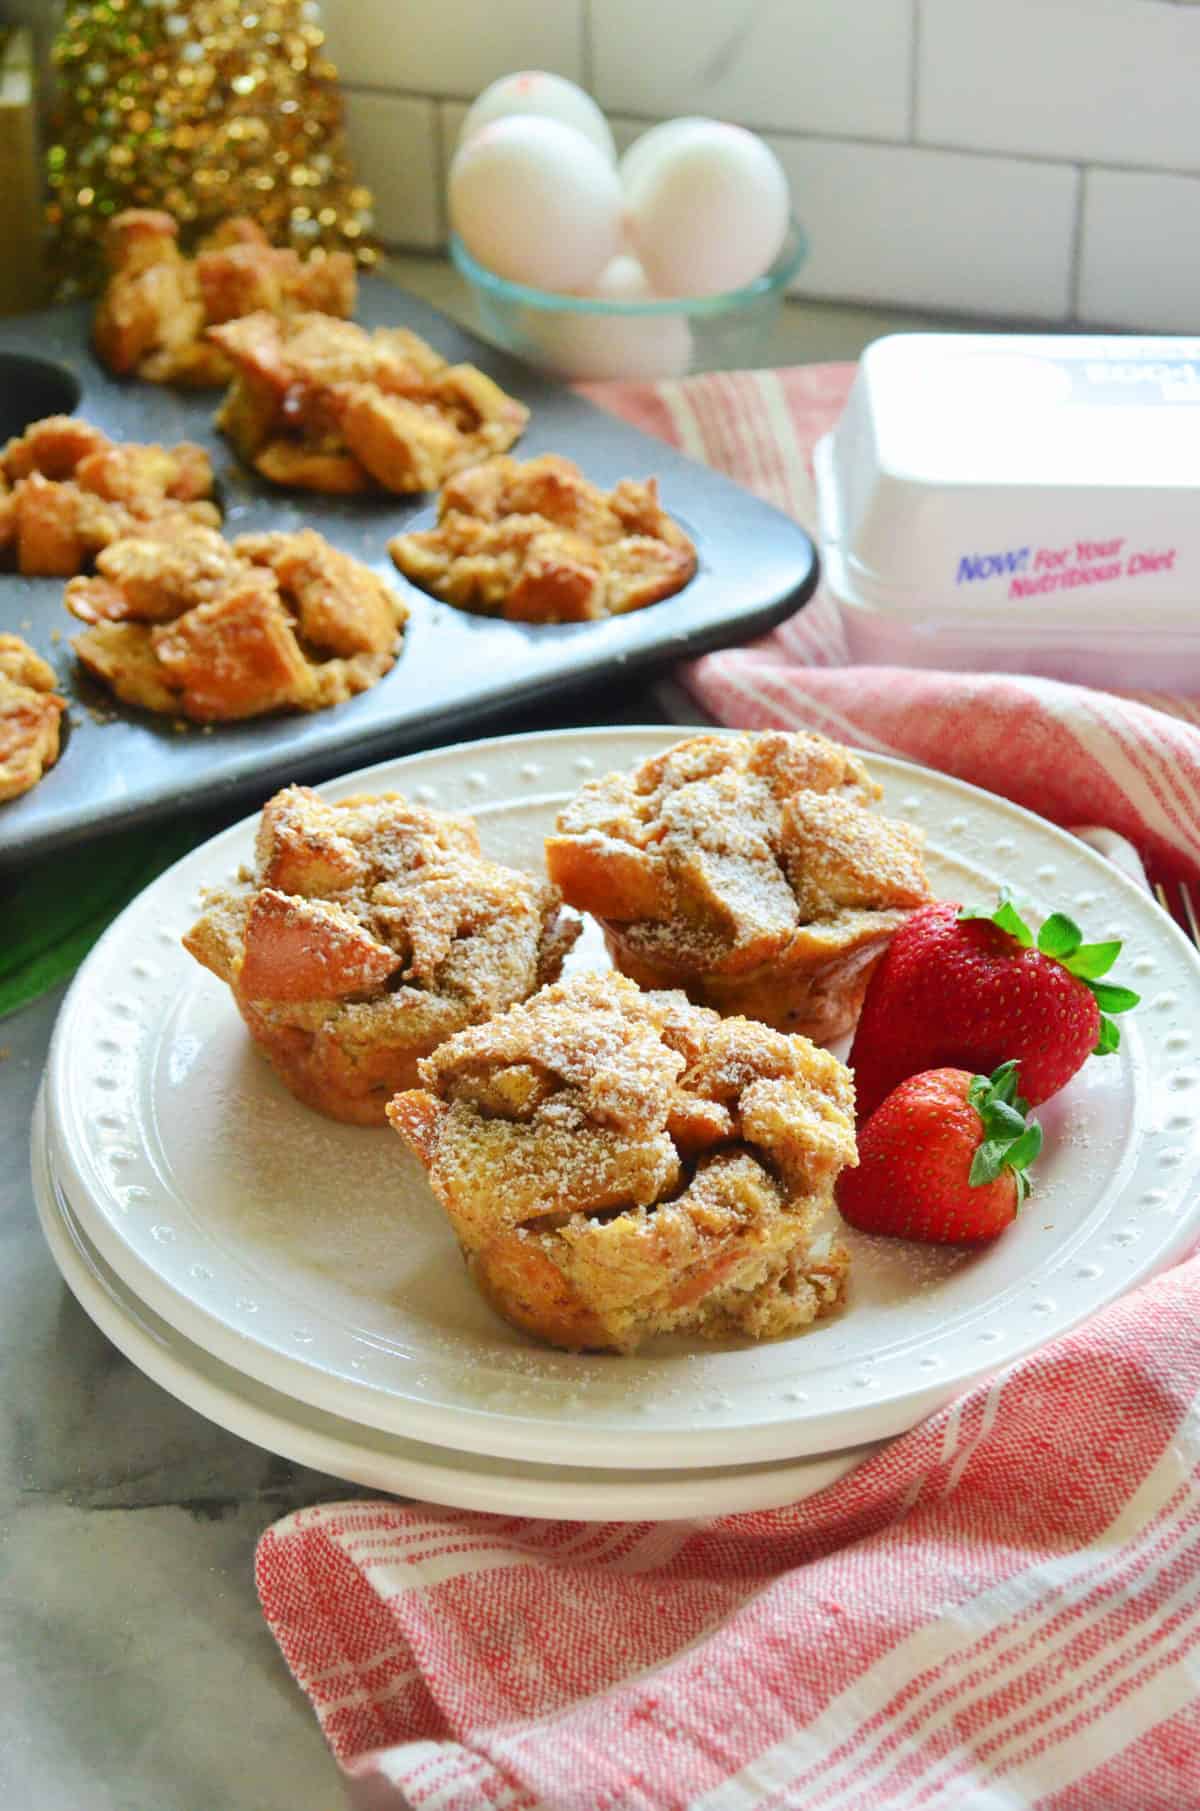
(1009, 1141)
(1061, 939)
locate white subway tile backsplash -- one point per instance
(802, 65)
(985, 213)
(394, 146)
(933, 229)
(1104, 81)
(451, 46)
(453, 113)
(1140, 254)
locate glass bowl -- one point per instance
(585, 338)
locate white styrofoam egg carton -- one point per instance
(1020, 502)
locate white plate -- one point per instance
(310, 1256)
(388, 1461)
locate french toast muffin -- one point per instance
(184, 622)
(537, 542)
(749, 870)
(367, 933)
(617, 1164)
(67, 491)
(321, 404)
(150, 321)
(31, 712)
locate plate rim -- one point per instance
(381, 1461)
(493, 1432)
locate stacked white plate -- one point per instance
(294, 1279)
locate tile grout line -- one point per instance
(1076, 283)
(441, 172)
(798, 135)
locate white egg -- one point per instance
(622, 280)
(536, 202)
(593, 347)
(538, 92)
(644, 152)
(709, 212)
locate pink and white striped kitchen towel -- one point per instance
(1000, 1610)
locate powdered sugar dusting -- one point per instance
(740, 865)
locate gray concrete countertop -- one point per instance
(139, 1674)
(138, 1671)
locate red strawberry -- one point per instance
(968, 989)
(943, 1159)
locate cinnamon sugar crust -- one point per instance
(536, 542)
(187, 623)
(67, 491)
(749, 870)
(31, 712)
(157, 303)
(367, 933)
(321, 404)
(617, 1164)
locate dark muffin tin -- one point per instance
(119, 766)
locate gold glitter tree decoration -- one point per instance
(206, 108)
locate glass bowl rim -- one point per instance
(788, 260)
